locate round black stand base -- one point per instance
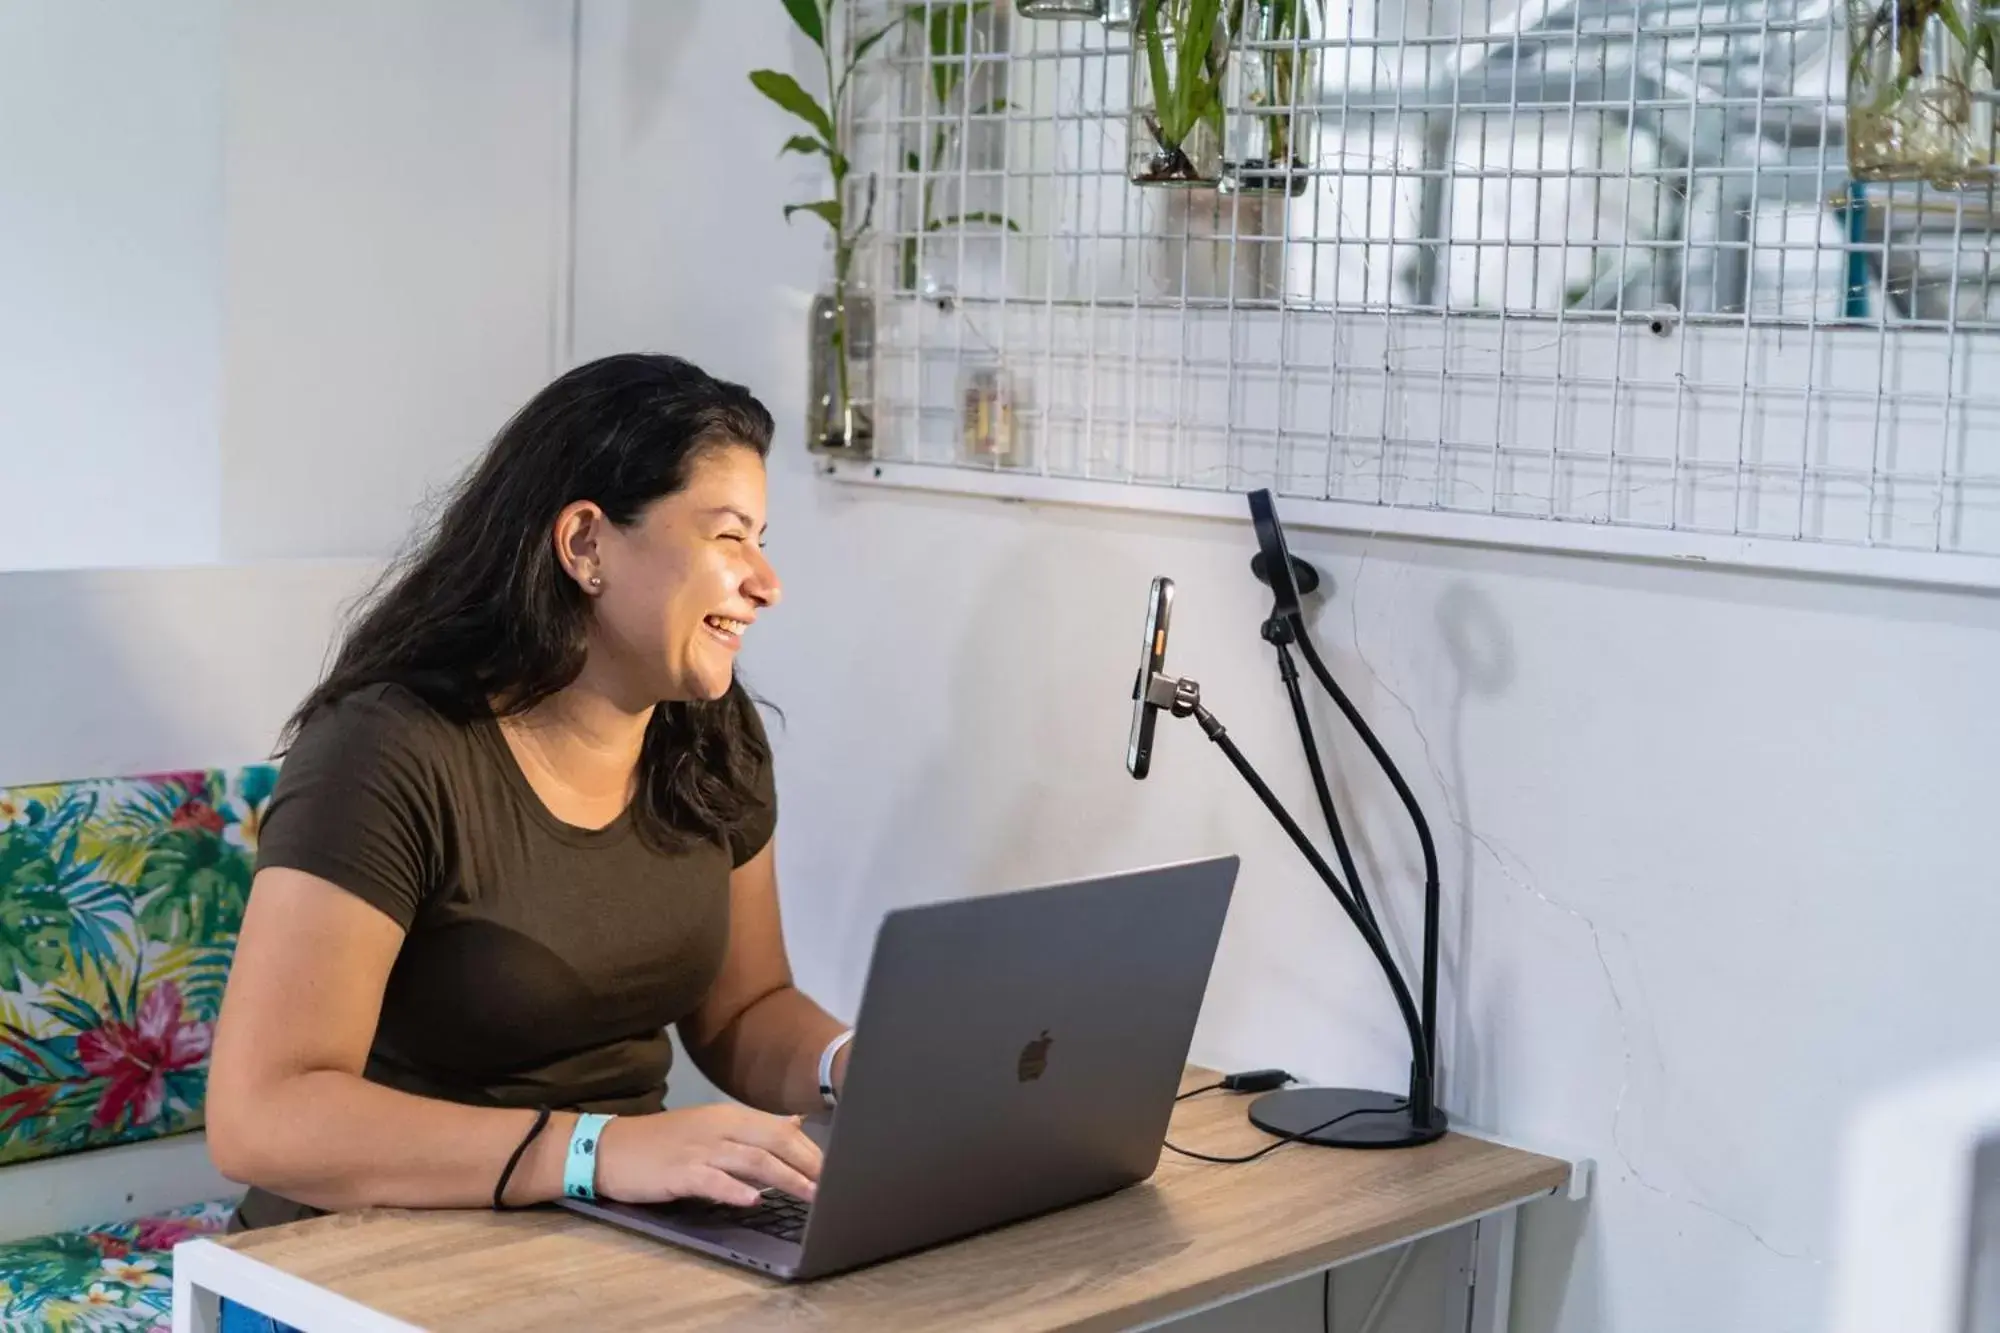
(1362, 1119)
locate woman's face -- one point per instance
(682, 585)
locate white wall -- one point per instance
(1717, 847)
(143, 671)
(397, 200)
(110, 282)
(272, 271)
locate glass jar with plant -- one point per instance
(1273, 73)
(1180, 57)
(958, 100)
(841, 325)
(1921, 90)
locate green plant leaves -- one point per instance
(193, 887)
(49, 1268)
(786, 92)
(802, 143)
(34, 913)
(870, 42)
(1189, 92)
(806, 14)
(815, 18)
(828, 210)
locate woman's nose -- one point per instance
(763, 585)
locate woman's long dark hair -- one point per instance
(481, 610)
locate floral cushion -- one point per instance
(118, 1276)
(119, 905)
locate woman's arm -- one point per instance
(289, 1111)
(756, 1035)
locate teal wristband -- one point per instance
(580, 1167)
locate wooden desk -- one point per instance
(1193, 1236)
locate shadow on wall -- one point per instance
(135, 671)
(1476, 652)
(1420, 715)
(96, 711)
(1014, 791)
(653, 40)
(1473, 658)
(1480, 653)
(1548, 1277)
(1407, 718)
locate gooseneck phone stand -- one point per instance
(1334, 1117)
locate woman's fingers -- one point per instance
(783, 1139)
(765, 1169)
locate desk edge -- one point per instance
(1150, 1321)
(1582, 1169)
(269, 1290)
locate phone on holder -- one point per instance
(1152, 660)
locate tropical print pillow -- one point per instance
(120, 900)
(113, 1277)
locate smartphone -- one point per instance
(1152, 659)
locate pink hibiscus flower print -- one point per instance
(163, 1233)
(137, 1058)
(195, 813)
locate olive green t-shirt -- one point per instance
(541, 962)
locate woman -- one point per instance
(523, 826)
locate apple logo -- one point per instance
(1035, 1057)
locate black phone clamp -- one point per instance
(1178, 696)
(1339, 1117)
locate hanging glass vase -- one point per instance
(1271, 73)
(988, 428)
(841, 358)
(1920, 91)
(1180, 58)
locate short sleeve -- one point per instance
(358, 804)
(755, 832)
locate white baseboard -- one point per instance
(107, 1185)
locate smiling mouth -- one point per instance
(729, 632)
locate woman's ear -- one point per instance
(577, 531)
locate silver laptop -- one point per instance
(1014, 1054)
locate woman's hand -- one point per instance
(724, 1152)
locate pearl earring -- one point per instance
(596, 583)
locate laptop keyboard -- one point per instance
(775, 1214)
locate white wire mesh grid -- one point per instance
(1575, 261)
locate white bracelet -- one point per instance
(826, 1092)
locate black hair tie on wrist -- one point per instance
(507, 1172)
